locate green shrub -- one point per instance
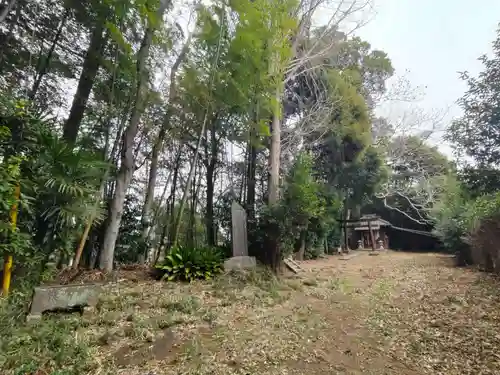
(482, 220)
(314, 245)
(313, 252)
(190, 263)
(452, 231)
(450, 223)
(469, 228)
(484, 207)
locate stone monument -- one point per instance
(240, 258)
(60, 297)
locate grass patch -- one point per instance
(193, 349)
(260, 277)
(108, 319)
(186, 305)
(50, 346)
(256, 287)
(382, 290)
(170, 321)
(139, 333)
(340, 285)
(210, 316)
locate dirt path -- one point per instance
(395, 313)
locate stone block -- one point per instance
(61, 297)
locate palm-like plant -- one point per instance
(67, 187)
(59, 184)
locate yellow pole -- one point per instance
(8, 260)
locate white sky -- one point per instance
(434, 40)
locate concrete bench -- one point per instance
(63, 297)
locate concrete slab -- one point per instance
(62, 297)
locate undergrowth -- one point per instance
(190, 263)
(50, 346)
(64, 344)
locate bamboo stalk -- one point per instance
(8, 258)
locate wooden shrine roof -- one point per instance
(375, 223)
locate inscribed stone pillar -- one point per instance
(239, 230)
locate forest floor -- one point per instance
(395, 313)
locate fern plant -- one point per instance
(191, 263)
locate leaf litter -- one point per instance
(397, 313)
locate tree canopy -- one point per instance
(152, 128)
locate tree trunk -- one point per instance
(192, 214)
(251, 184)
(263, 179)
(158, 209)
(347, 215)
(101, 195)
(8, 37)
(150, 190)
(209, 218)
(196, 201)
(302, 246)
(163, 237)
(171, 221)
(372, 237)
(45, 63)
(87, 77)
(273, 188)
(5, 11)
(209, 209)
(189, 180)
(274, 154)
(127, 165)
(89, 253)
(158, 145)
